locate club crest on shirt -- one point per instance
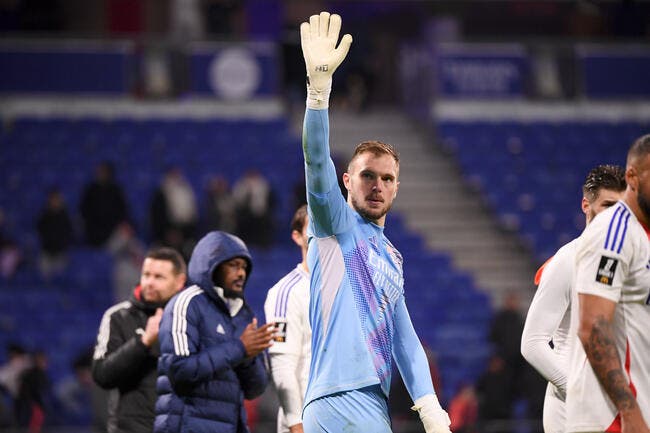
(606, 270)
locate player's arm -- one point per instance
(285, 357)
(546, 311)
(117, 358)
(413, 366)
(318, 40)
(600, 274)
(596, 333)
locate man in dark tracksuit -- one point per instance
(127, 350)
(210, 344)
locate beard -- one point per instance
(643, 201)
(232, 294)
(368, 213)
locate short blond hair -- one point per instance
(377, 148)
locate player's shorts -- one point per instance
(362, 410)
(554, 418)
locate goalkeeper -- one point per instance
(357, 309)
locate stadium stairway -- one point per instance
(437, 204)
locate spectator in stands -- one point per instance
(463, 410)
(505, 333)
(128, 254)
(10, 253)
(495, 389)
(254, 199)
(34, 400)
(18, 360)
(74, 393)
(56, 234)
(103, 206)
(126, 355)
(174, 214)
(221, 211)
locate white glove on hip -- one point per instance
(318, 39)
(433, 416)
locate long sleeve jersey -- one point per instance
(357, 309)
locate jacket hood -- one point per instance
(214, 248)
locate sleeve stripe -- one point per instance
(179, 320)
(617, 219)
(105, 329)
(283, 296)
(620, 245)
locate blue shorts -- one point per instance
(362, 410)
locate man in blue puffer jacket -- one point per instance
(210, 344)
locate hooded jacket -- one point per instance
(203, 372)
(126, 367)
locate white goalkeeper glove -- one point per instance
(433, 416)
(318, 39)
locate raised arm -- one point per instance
(318, 39)
(414, 368)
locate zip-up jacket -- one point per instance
(204, 374)
(126, 367)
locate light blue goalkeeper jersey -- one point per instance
(357, 311)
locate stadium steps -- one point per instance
(437, 204)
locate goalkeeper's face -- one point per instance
(372, 185)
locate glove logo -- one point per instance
(322, 68)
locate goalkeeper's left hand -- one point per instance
(433, 416)
(318, 39)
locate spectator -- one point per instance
(34, 400)
(126, 355)
(18, 360)
(103, 206)
(10, 253)
(495, 395)
(254, 199)
(505, 333)
(56, 234)
(463, 410)
(211, 348)
(174, 214)
(221, 206)
(128, 254)
(74, 393)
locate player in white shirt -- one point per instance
(549, 314)
(287, 305)
(608, 388)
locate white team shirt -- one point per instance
(613, 262)
(549, 319)
(287, 305)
